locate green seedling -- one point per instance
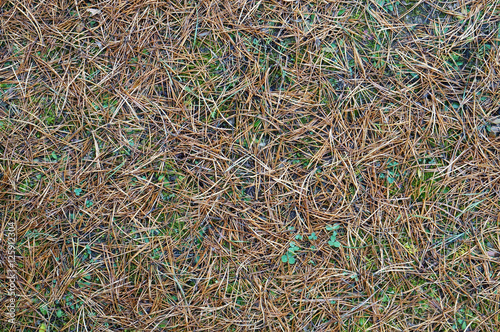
(78, 191)
(290, 255)
(333, 240)
(313, 236)
(461, 323)
(332, 228)
(288, 258)
(392, 173)
(43, 310)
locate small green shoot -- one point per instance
(333, 241)
(42, 327)
(333, 238)
(332, 228)
(290, 255)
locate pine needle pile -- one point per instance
(251, 165)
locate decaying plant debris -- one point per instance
(241, 165)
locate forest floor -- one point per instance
(250, 165)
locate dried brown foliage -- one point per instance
(158, 157)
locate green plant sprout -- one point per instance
(332, 228)
(333, 238)
(290, 255)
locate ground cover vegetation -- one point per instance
(240, 165)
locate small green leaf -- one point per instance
(284, 258)
(78, 191)
(313, 236)
(59, 313)
(336, 244)
(332, 228)
(298, 237)
(43, 310)
(291, 259)
(42, 327)
(88, 203)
